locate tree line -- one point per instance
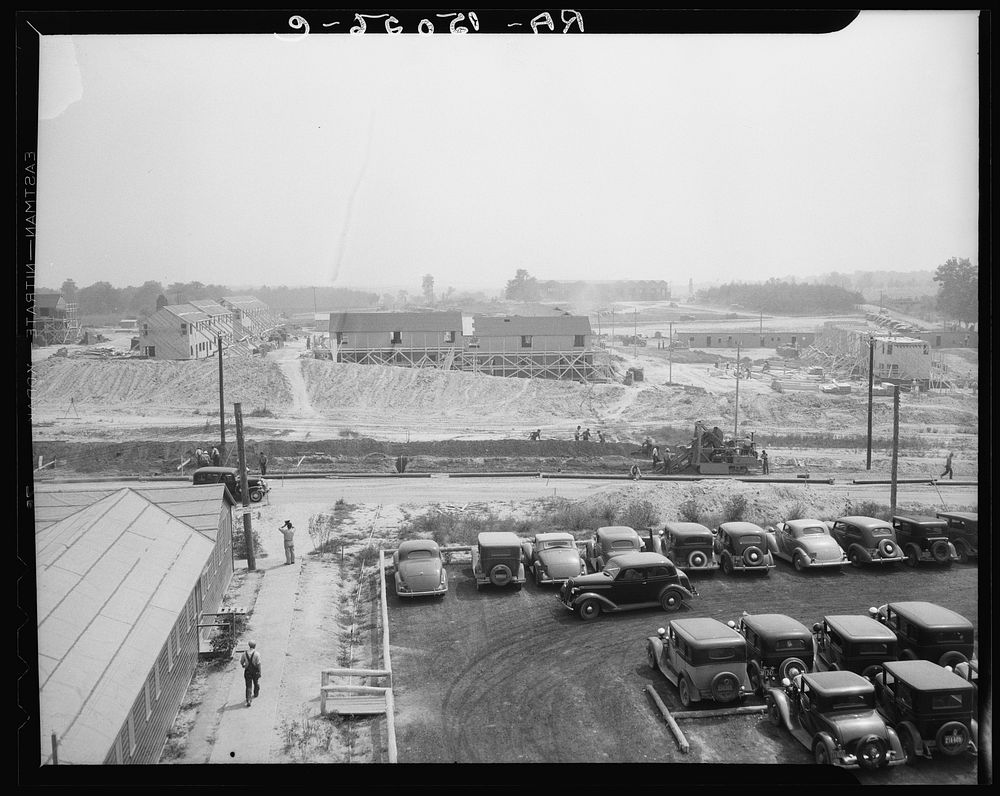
(783, 298)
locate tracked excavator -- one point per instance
(711, 453)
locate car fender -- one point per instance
(589, 595)
(656, 644)
(861, 551)
(780, 699)
(918, 740)
(528, 550)
(826, 739)
(686, 592)
(894, 744)
(772, 542)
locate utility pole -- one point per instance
(736, 422)
(635, 333)
(871, 368)
(895, 447)
(247, 530)
(222, 408)
(670, 354)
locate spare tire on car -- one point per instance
(500, 575)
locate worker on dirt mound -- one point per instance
(586, 435)
(634, 472)
(535, 435)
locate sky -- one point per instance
(370, 161)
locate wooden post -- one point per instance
(736, 422)
(871, 376)
(682, 742)
(390, 725)
(670, 354)
(895, 447)
(55, 750)
(247, 530)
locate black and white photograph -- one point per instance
(511, 389)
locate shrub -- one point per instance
(870, 508)
(689, 510)
(641, 514)
(240, 545)
(735, 508)
(796, 512)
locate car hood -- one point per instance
(853, 726)
(588, 581)
(560, 562)
(420, 575)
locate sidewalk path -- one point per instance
(246, 735)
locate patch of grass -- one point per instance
(640, 514)
(265, 412)
(301, 739)
(735, 508)
(870, 508)
(689, 510)
(796, 512)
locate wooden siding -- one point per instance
(163, 331)
(725, 339)
(511, 344)
(367, 341)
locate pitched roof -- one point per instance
(112, 580)
(395, 322)
(542, 325)
(209, 307)
(186, 312)
(48, 299)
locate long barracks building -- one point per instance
(551, 347)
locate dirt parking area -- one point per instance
(503, 676)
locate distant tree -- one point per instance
(403, 298)
(144, 297)
(161, 302)
(958, 289)
(100, 298)
(427, 286)
(69, 290)
(523, 287)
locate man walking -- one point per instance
(262, 461)
(216, 457)
(947, 467)
(250, 661)
(288, 531)
(765, 468)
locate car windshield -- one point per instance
(417, 554)
(746, 541)
(812, 530)
(789, 644)
(849, 702)
(556, 543)
(878, 532)
(943, 636)
(623, 544)
(953, 701)
(872, 648)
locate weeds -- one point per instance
(870, 508)
(303, 738)
(641, 514)
(735, 508)
(689, 510)
(796, 512)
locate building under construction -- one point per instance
(546, 347)
(54, 320)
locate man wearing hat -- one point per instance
(288, 531)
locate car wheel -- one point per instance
(517, 587)
(871, 672)
(753, 556)
(963, 555)
(800, 563)
(589, 609)
(887, 548)
(684, 692)
(753, 675)
(671, 600)
(952, 739)
(908, 743)
(256, 496)
(940, 552)
(725, 687)
(952, 659)
(650, 655)
(501, 575)
(697, 559)
(912, 556)
(871, 752)
(791, 668)
(821, 754)
(907, 655)
(727, 563)
(855, 558)
(773, 713)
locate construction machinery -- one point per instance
(712, 453)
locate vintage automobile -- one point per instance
(867, 540)
(628, 581)
(705, 658)
(610, 541)
(924, 538)
(806, 544)
(256, 486)
(963, 530)
(969, 671)
(833, 714)
(742, 546)
(553, 557)
(418, 570)
(852, 643)
(927, 631)
(777, 647)
(930, 707)
(690, 545)
(496, 559)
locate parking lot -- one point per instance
(504, 676)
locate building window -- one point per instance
(396, 338)
(170, 651)
(578, 341)
(473, 342)
(449, 337)
(888, 348)
(131, 734)
(147, 700)
(157, 683)
(525, 341)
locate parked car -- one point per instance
(553, 557)
(777, 647)
(418, 570)
(496, 559)
(930, 707)
(963, 531)
(689, 545)
(969, 671)
(628, 581)
(924, 538)
(256, 486)
(852, 643)
(743, 546)
(806, 544)
(867, 540)
(703, 657)
(833, 714)
(927, 631)
(610, 541)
